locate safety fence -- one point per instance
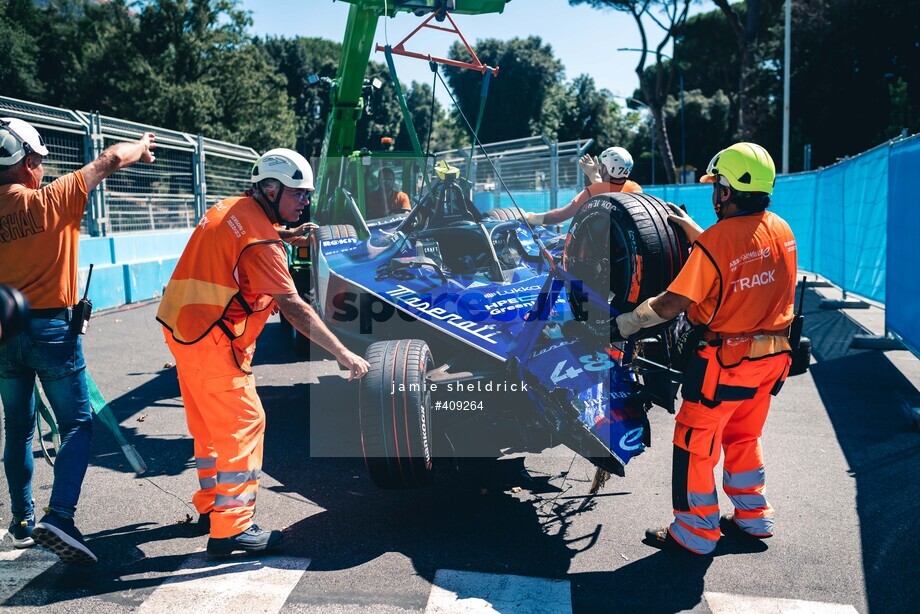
(540, 174)
(190, 174)
(857, 224)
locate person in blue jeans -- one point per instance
(50, 349)
(39, 237)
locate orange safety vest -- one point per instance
(205, 280)
(755, 257)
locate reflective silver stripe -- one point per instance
(745, 479)
(756, 526)
(691, 540)
(225, 501)
(700, 500)
(237, 477)
(206, 483)
(207, 462)
(699, 522)
(749, 502)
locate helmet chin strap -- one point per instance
(719, 202)
(272, 204)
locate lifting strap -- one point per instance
(483, 95)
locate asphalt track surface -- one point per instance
(843, 471)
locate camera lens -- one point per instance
(14, 313)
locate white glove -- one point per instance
(534, 219)
(642, 317)
(686, 223)
(590, 167)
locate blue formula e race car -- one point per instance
(488, 335)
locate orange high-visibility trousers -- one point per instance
(227, 422)
(725, 410)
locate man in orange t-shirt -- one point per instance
(386, 199)
(739, 283)
(609, 173)
(39, 236)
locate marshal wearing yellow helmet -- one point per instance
(738, 286)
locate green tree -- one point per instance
(707, 124)
(19, 21)
(656, 81)
(297, 59)
(529, 72)
(208, 76)
(427, 119)
(593, 113)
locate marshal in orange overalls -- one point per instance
(213, 309)
(741, 280)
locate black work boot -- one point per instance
(660, 538)
(730, 528)
(252, 539)
(203, 526)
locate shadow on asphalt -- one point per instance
(866, 398)
(466, 521)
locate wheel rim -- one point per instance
(600, 256)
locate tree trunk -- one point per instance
(664, 145)
(662, 142)
(746, 35)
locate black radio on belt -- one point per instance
(83, 309)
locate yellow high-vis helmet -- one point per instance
(747, 167)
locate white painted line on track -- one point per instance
(240, 584)
(19, 567)
(722, 603)
(456, 592)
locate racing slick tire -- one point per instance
(623, 247)
(502, 214)
(395, 414)
(334, 231)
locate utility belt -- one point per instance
(54, 313)
(714, 339)
(733, 348)
(78, 315)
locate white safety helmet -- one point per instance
(285, 165)
(617, 161)
(17, 140)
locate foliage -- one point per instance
(19, 71)
(669, 16)
(193, 65)
(528, 74)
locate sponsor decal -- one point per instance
(409, 297)
(746, 283)
(512, 291)
(332, 242)
(632, 440)
(751, 256)
(554, 346)
(236, 226)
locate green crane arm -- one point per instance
(347, 104)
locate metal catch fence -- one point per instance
(191, 172)
(535, 170)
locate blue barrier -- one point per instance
(857, 224)
(129, 268)
(838, 216)
(902, 310)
